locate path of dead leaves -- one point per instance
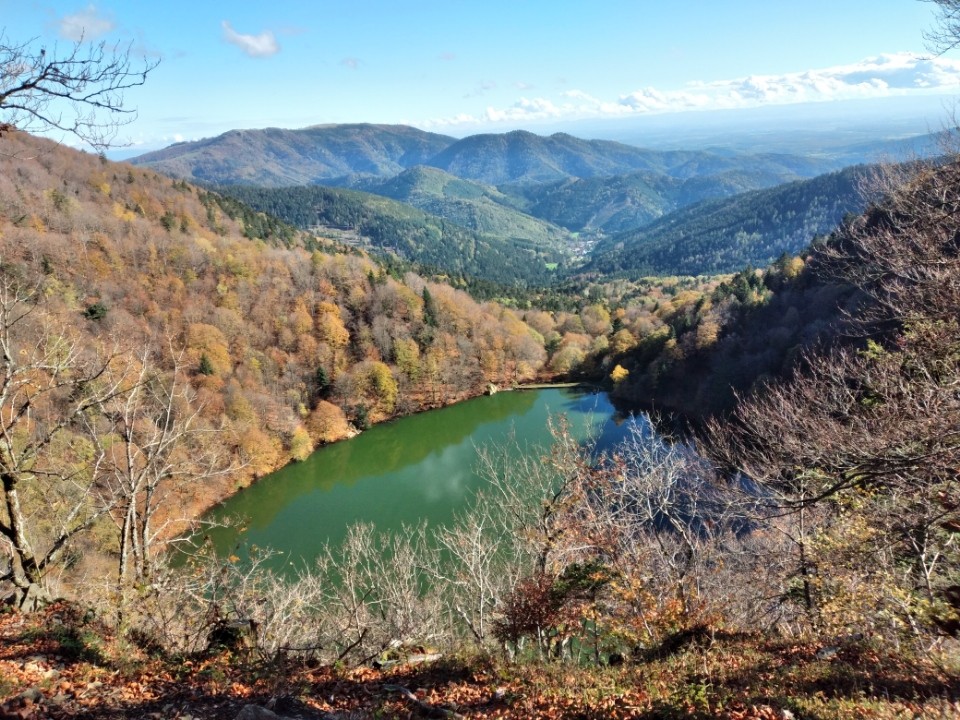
(54, 665)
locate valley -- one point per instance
(525, 209)
(474, 416)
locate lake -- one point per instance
(417, 468)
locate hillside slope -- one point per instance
(338, 154)
(475, 206)
(722, 236)
(275, 339)
(278, 157)
(626, 202)
(390, 227)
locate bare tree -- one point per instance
(875, 428)
(48, 382)
(151, 442)
(946, 35)
(79, 91)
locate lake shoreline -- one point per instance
(422, 468)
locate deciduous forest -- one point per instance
(787, 547)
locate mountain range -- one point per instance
(334, 154)
(523, 203)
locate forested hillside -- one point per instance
(333, 154)
(388, 226)
(264, 340)
(625, 202)
(477, 207)
(279, 157)
(722, 236)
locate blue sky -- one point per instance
(458, 66)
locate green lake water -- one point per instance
(421, 467)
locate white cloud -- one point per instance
(901, 74)
(879, 76)
(87, 24)
(263, 45)
(351, 63)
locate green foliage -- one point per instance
(361, 417)
(321, 382)
(474, 206)
(429, 308)
(96, 311)
(256, 225)
(392, 228)
(205, 366)
(725, 235)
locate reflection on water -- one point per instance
(418, 468)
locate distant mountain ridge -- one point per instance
(520, 207)
(331, 154)
(276, 157)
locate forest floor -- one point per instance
(59, 664)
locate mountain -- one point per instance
(472, 205)
(523, 157)
(345, 154)
(278, 157)
(721, 236)
(386, 226)
(626, 202)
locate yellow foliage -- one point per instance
(301, 445)
(327, 423)
(262, 451)
(619, 374)
(622, 341)
(330, 327)
(707, 333)
(121, 213)
(407, 356)
(204, 339)
(793, 267)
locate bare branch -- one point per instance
(79, 91)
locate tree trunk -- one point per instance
(29, 570)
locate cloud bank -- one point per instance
(894, 74)
(263, 45)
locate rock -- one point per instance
(827, 653)
(255, 712)
(31, 694)
(492, 389)
(32, 599)
(58, 700)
